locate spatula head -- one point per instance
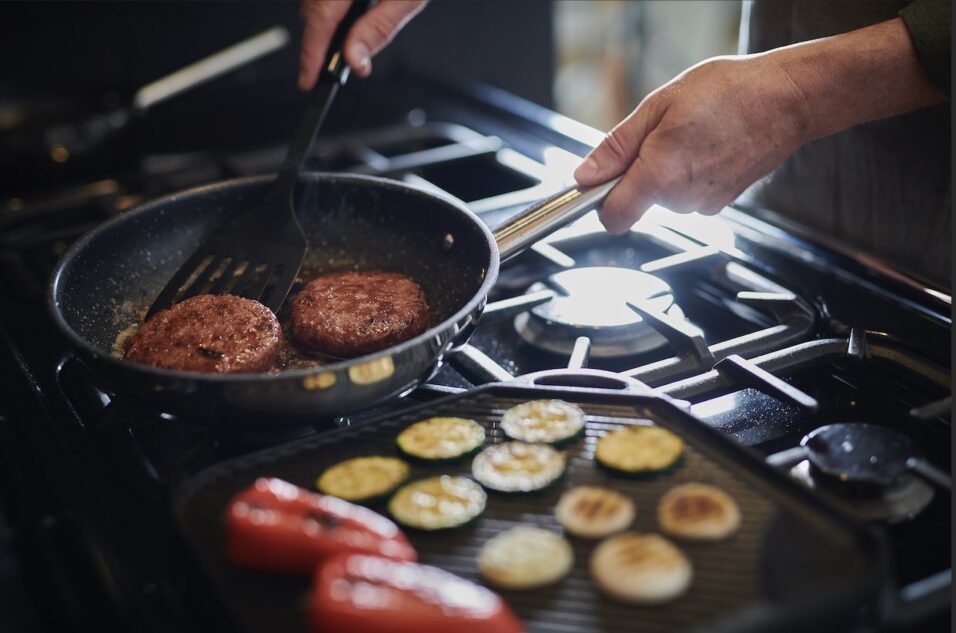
(256, 266)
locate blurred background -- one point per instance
(609, 54)
(592, 60)
(70, 70)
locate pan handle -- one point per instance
(547, 216)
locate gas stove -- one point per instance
(833, 370)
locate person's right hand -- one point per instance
(698, 141)
(371, 33)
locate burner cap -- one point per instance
(860, 453)
(593, 303)
(899, 502)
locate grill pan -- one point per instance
(793, 561)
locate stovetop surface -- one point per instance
(87, 477)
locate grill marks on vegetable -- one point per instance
(591, 507)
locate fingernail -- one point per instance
(360, 52)
(586, 170)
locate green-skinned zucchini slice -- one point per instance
(543, 421)
(363, 478)
(440, 439)
(517, 467)
(438, 503)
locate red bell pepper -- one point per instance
(356, 593)
(275, 525)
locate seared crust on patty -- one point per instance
(209, 333)
(353, 313)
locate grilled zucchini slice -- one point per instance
(544, 421)
(525, 558)
(641, 568)
(593, 512)
(639, 450)
(363, 479)
(698, 512)
(440, 439)
(438, 503)
(517, 467)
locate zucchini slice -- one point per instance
(363, 478)
(439, 439)
(637, 450)
(525, 558)
(545, 421)
(593, 512)
(640, 568)
(438, 503)
(698, 512)
(517, 467)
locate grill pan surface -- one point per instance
(793, 560)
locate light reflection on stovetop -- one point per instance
(699, 294)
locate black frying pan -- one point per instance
(108, 279)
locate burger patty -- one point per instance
(353, 313)
(209, 333)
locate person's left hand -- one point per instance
(698, 141)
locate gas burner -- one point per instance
(593, 302)
(899, 502)
(877, 472)
(867, 458)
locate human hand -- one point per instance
(371, 33)
(698, 141)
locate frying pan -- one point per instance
(107, 280)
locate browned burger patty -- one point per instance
(349, 314)
(209, 333)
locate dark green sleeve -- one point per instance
(928, 23)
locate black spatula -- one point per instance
(258, 254)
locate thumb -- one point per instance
(374, 30)
(621, 146)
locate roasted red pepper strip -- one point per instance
(355, 593)
(275, 525)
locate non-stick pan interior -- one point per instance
(111, 278)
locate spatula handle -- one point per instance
(334, 73)
(335, 59)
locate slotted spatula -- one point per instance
(258, 254)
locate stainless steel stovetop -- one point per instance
(759, 333)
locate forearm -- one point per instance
(848, 79)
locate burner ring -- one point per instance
(865, 455)
(900, 502)
(592, 302)
(586, 378)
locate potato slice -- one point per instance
(698, 512)
(594, 512)
(641, 568)
(525, 558)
